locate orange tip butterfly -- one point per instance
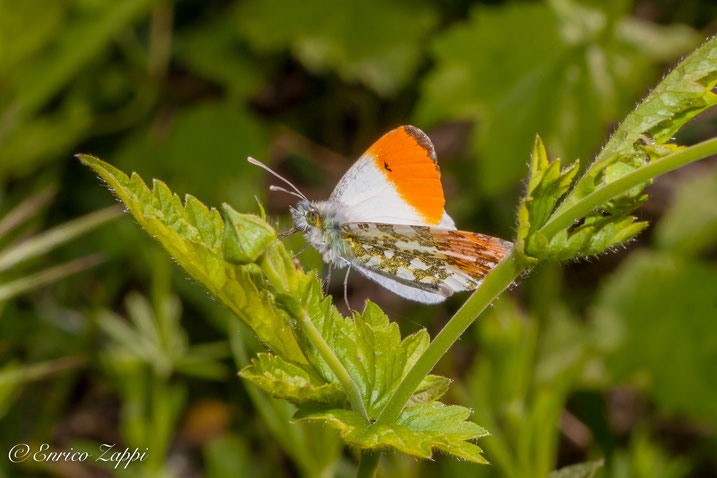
(386, 219)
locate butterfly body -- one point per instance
(386, 219)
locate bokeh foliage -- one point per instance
(588, 360)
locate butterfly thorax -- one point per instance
(320, 221)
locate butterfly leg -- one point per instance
(346, 283)
(325, 283)
(301, 251)
(288, 233)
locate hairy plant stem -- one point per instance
(565, 218)
(307, 326)
(506, 272)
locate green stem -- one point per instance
(368, 464)
(494, 283)
(507, 271)
(327, 353)
(563, 219)
(271, 273)
(304, 320)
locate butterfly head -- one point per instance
(306, 216)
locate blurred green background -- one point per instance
(104, 340)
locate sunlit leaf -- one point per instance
(371, 348)
(367, 345)
(643, 137)
(193, 235)
(419, 430)
(246, 236)
(289, 382)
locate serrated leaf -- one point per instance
(612, 233)
(581, 470)
(642, 137)
(548, 183)
(292, 383)
(369, 346)
(562, 246)
(193, 234)
(593, 237)
(419, 431)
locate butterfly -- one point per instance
(386, 219)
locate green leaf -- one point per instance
(369, 346)
(375, 42)
(581, 470)
(320, 357)
(430, 389)
(548, 183)
(594, 236)
(419, 430)
(193, 236)
(292, 383)
(654, 319)
(566, 85)
(643, 136)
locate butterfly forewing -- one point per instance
(442, 261)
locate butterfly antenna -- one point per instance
(267, 168)
(284, 190)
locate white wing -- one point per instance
(367, 196)
(395, 182)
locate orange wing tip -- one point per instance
(407, 159)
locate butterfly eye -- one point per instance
(312, 217)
